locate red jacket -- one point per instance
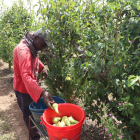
(26, 68)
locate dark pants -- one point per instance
(24, 101)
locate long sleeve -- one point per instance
(26, 71)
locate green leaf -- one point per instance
(92, 95)
(88, 43)
(130, 105)
(35, 5)
(63, 1)
(127, 98)
(138, 7)
(138, 106)
(119, 90)
(136, 37)
(80, 8)
(131, 82)
(101, 45)
(131, 76)
(62, 17)
(133, 120)
(71, 25)
(89, 99)
(118, 38)
(73, 3)
(88, 53)
(117, 81)
(128, 7)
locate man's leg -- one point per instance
(24, 100)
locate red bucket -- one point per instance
(72, 132)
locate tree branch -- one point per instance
(77, 49)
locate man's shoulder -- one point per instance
(22, 46)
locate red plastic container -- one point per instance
(72, 132)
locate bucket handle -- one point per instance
(33, 106)
(85, 113)
(85, 120)
(41, 123)
(41, 118)
(76, 136)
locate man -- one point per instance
(26, 68)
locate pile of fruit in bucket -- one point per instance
(62, 121)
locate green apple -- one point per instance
(61, 124)
(72, 120)
(64, 117)
(55, 107)
(55, 120)
(67, 122)
(55, 124)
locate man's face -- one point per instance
(39, 43)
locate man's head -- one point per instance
(41, 41)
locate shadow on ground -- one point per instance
(6, 78)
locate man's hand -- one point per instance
(48, 100)
(44, 73)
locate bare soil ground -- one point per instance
(12, 126)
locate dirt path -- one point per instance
(12, 125)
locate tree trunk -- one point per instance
(10, 64)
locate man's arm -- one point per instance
(42, 69)
(48, 100)
(31, 85)
(41, 66)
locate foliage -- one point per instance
(61, 60)
(111, 124)
(103, 40)
(14, 22)
(60, 80)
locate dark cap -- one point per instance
(44, 34)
